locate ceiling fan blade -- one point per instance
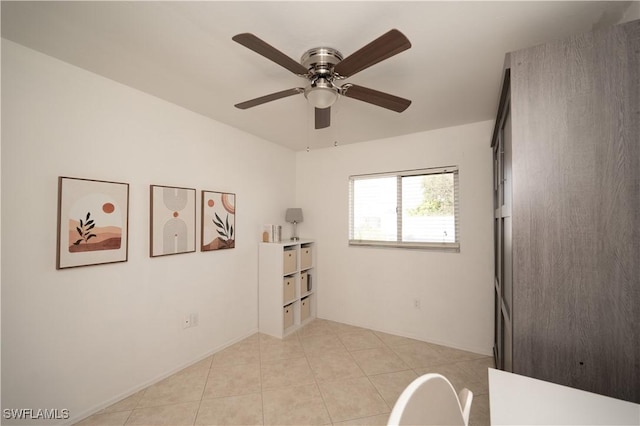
(384, 47)
(323, 117)
(268, 98)
(375, 97)
(260, 47)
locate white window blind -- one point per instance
(412, 209)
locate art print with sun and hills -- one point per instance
(218, 221)
(95, 223)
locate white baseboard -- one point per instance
(479, 351)
(95, 409)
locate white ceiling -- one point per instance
(182, 52)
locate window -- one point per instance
(412, 209)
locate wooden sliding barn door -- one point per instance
(575, 114)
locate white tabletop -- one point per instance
(520, 400)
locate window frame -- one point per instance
(436, 246)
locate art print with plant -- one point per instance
(92, 222)
(218, 221)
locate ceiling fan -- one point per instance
(323, 66)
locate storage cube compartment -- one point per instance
(309, 281)
(305, 308)
(290, 261)
(288, 315)
(288, 289)
(304, 278)
(306, 257)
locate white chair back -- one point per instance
(431, 400)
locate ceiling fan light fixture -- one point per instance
(321, 96)
(321, 93)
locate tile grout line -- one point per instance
(365, 374)
(204, 388)
(315, 379)
(369, 376)
(324, 402)
(128, 417)
(144, 391)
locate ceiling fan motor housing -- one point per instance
(320, 62)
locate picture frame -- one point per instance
(173, 220)
(93, 222)
(218, 220)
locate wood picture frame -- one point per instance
(93, 222)
(172, 221)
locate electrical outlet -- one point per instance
(186, 321)
(416, 303)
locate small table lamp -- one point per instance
(294, 215)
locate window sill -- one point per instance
(446, 247)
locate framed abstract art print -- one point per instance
(93, 222)
(218, 230)
(173, 220)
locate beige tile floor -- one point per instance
(327, 373)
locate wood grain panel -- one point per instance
(576, 211)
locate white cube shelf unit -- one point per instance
(287, 286)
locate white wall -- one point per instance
(79, 338)
(375, 287)
(632, 13)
